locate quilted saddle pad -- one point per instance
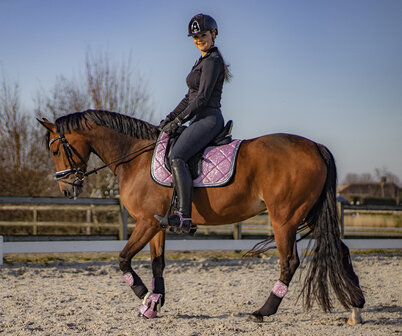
(217, 165)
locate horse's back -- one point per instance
(281, 141)
(281, 147)
(283, 164)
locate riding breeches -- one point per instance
(202, 129)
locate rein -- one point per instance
(74, 168)
(95, 170)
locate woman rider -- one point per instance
(201, 106)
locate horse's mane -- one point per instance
(121, 123)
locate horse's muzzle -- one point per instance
(72, 189)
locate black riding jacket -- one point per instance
(205, 83)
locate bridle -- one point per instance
(80, 174)
(74, 167)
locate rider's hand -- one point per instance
(172, 126)
(163, 123)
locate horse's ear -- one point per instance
(47, 124)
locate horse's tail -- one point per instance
(326, 260)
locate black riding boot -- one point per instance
(180, 220)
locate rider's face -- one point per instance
(204, 41)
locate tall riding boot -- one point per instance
(183, 183)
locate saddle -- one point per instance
(195, 162)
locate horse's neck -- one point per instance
(110, 145)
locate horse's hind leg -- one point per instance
(289, 262)
(357, 302)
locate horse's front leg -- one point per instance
(144, 231)
(157, 246)
(153, 301)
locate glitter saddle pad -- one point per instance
(217, 165)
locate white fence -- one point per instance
(171, 245)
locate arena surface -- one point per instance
(205, 296)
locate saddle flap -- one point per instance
(217, 164)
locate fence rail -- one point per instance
(345, 209)
(90, 205)
(256, 225)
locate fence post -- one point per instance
(123, 222)
(1, 250)
(339, 209)
(35, 221)
(341, 217)
(237, 231)
(88, 222)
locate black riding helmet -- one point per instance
(200, 24)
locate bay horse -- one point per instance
(291, 177)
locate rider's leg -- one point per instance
(193, 139)
(197, 135)
(183, 184)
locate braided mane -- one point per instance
(121, 123)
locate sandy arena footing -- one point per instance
(205, 296)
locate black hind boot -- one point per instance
(180, 220)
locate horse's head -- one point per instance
(70, 154)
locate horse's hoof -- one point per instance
(256, 317)
(355, 321)
(151, 305)
(147, 314)
(355, 317)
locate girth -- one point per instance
(223, 138)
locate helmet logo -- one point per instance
(195, 27)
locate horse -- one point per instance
(291, 177)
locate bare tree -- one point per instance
(369, 178)
(105, 85)
(358, 178)
(23, 164)
(65, 97)
(115, 88)
(12, 125)
(389, 176)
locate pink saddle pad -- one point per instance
(217, 165)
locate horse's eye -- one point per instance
(56, 152)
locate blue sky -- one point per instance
(327, 70)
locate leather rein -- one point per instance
(80, 174)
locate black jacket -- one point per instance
(205, 83)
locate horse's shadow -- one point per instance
(375, 309)
(209, 317)
(384, 320)
(200, 317)
(382, 308)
